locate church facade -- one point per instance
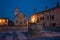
(20, 20)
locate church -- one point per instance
(20, 20)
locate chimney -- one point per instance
(57, 4)
(35, 9)
(46, 7)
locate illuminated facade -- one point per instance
(49, 17)
(3, 21)
(33, 18)
(20, 20)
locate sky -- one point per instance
(7, 7)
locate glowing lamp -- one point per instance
(33, 19)
(0, 21)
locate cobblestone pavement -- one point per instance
(17, 35)
(12, 36)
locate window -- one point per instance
(52, 17)
(43, 13)
(49, 17)
(20, 23)
(58, 23)
(49, 11)
(41, 18)
(52, 10)
(25, 21)
(43, 24)
(53, 24)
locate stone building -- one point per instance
(4, 22)
(49, 17)
(20, 20)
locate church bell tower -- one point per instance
(16, 10)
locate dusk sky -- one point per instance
(7, 7)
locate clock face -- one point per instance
(16, 11)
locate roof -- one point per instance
(3, 18)
(20, 13)
(46, 10)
